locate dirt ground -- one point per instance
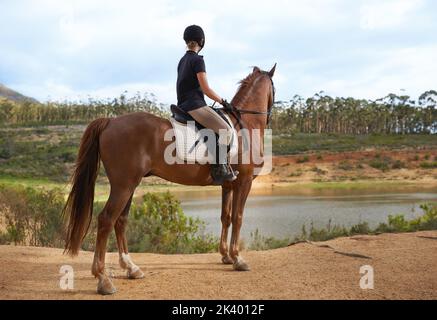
(405, 267)
(354, 166)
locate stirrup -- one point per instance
(234, 172)
(219, 179)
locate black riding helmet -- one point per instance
(195, 33)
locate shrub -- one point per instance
(32, 217)
(67, 157)
(398, 223)
(259, 242)
(330, 232)
(381, 164)
(345, 165)
(398, 164)
(360, 228)
(5, 152)
(319, 171)
(395, 223)
(158, 224)
(303, 159)
(428, 165)
(296, 173)
(429, 220)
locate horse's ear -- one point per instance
(272, 72)
(256, 69)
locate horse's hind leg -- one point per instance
(133, 271)
(116, 203)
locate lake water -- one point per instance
(283, 212)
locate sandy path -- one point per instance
(405, 267)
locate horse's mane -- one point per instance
(245, 84)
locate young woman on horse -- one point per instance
(192, 85)
(133, 146)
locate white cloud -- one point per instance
(411, 69)
(165, 92)
(103, 47)
(380, 14)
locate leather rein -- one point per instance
(237, 112)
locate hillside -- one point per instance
(404, 268)
(15, 96)
(49, 153)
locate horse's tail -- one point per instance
(79, 205)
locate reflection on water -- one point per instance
(282, 212)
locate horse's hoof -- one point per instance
(138, 274)
(105, 287)
(240, 265)
(227, 260)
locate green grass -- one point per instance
(428, 165)
(301, 143)
(39, 183)
(38, 152)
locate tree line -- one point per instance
(393, 114)
(67, 112)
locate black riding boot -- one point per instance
(222, 172)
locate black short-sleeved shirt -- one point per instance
(190, 95)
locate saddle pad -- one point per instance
(191, 145)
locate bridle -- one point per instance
(237, 112)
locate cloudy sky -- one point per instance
(73, 49)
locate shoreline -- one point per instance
(367, 186)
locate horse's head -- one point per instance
(256, 94)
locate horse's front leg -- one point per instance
(241, 189)
(226, 222)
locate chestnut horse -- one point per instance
(132, 147)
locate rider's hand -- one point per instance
(226, 104)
